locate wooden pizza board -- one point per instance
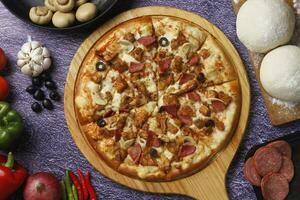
(278, 114)
(209, 183)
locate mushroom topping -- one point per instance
(62, 20)
(64, 5)
(79, 2)
(33, 58)
(50, 5)
(40, 15)
(86, 12)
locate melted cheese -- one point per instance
(168, 154)
(116, 102)
(81, 101)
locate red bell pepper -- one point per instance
(12, 176)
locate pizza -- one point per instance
(157, 98)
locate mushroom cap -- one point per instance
(40, 15)
(62, 20)
(86, 12)
(80, 2)
(50, 5)
(64, 5)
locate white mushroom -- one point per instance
(33, 58)
(50, 5)
(62, 20)
(40, 15)
(79, 2)
(64, 5)
(86, 12)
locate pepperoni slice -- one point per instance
(186, 119)
(118, 135)
(266, 160)
(194, 60)
(250, 172)
(283, 147)
(164, 65)
(136, 67)
(135, 152)
(172, 109)
(218, 106)
(186, 78)
(187, 150)
(194, 96)
(274, 186)
(153, 140)
(287, 168)
(147, 40)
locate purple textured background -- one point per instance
(47, 145)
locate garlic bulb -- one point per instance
(33, 58)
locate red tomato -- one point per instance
(4, 88)
(3, 59)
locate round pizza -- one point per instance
(157, 98)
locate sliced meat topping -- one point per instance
(187, 150)
(164, 65)
(287, 168)
(283, 147)
(153, 140)
(135, 152)
(266, 160)
(194, 96)
(187, 87)
(274, 186)
(136, 67)
(185, 77)
(171, 109)
(147, 40)
(199, 123)
(250, 173)
(218, 106)
(194, 60)
(185, 114)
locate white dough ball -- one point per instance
(263, 25)
(280, 73)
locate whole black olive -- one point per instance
(39, 95)
(201, 78)
(47, 104)
(163, 41)
(37, 81)
(31, 89)
(100, 66)
(210, 123)
(50, 85)
(101, 122)
(161, 109)
(153, 152)
(46, 76)
(54, 95)
(36, 107)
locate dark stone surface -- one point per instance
(47, 145)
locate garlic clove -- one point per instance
(26, 69)
(37, 69)
(21, 63)
(26, 48)
(47, 63)
(38, 59)
(37, 51)
(21, 55)
(35, 44)
(46, 52)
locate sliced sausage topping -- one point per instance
(136, 67)
(274, 186)
(194, 60)
(164, 65)
(135, 152)
(218, 106)
(186, 119)
(152, 139)
(187, 150)
(186, 78)
(287, 168)
(194, 96)
(266, 160)
(172, 109)
(147, 40)
(283, 147)
(250, 172)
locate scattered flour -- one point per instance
(284, 104)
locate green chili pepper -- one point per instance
(63, 188)
(69, 187)
(75, 194)
(11, 125)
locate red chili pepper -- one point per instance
(77, 185)
(83, 185)
(12, 176)
(90, 188)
